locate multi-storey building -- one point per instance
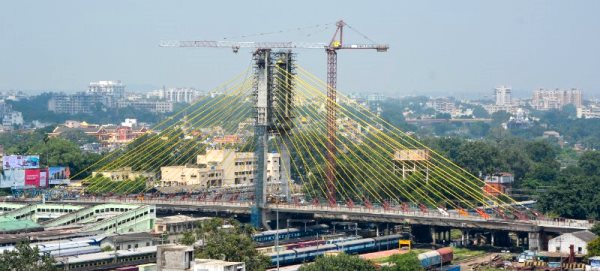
(179, 95)
(503, 95)
(11, 119)
(77, 103)
(152, 106)
(555, 99)
(442, 105)
(219, 168)
(107, 88)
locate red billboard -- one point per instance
(32, 177)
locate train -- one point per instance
(305, 254)
(108, 260)
(66, 247)
(436, 258)
(290, 233)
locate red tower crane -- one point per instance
(336, 43)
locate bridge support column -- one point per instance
(492, 238)
(263, 93)
(433, 236)
(535, 240)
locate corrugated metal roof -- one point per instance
(586, 236)
(9, 224)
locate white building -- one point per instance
(129, 123)
(503, 95)
(555, 99)
(179, 95)
(107, 88)
(13, 118)
(443, 105)
(579, 240)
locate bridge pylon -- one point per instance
(273, 98)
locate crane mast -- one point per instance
(337, 43)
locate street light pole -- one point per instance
(277, 234)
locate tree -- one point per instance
(230, 243)
(589, 162)
(480, 112)
(188, 238)
(499, 117)
(404, 262)
(596, 229)
(78, 137)
(594, 248)
(541, 150)
(62, 152)
(479, 157)
(340, 262)
(24, 257)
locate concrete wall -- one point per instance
(174, 258)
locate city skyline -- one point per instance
(460, 48)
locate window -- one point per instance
(579, 250)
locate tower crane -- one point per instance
(336, 43)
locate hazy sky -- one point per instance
(437, 47)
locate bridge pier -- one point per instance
(466, 238)
(521, 239)
(534, 241)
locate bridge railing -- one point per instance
(433, 213)
(362, 210)
(164, 201)
(565, 223)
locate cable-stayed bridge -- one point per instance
(380, 173)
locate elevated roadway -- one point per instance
(359, 213)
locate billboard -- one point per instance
(32, 177)
(58, 175)
(20, 162)
(44, 178)
(13, 178)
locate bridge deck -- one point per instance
(361, 213)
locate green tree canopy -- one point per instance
(62, 152)
(341, 262)
(594, 248)
(596, 229)
(589, 162)
(231, 243)
(404, 262)
(24, 257)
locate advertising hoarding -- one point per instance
(20, 162)
(32, 177)
(44, 177)
(58, 175)
(13, 178)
